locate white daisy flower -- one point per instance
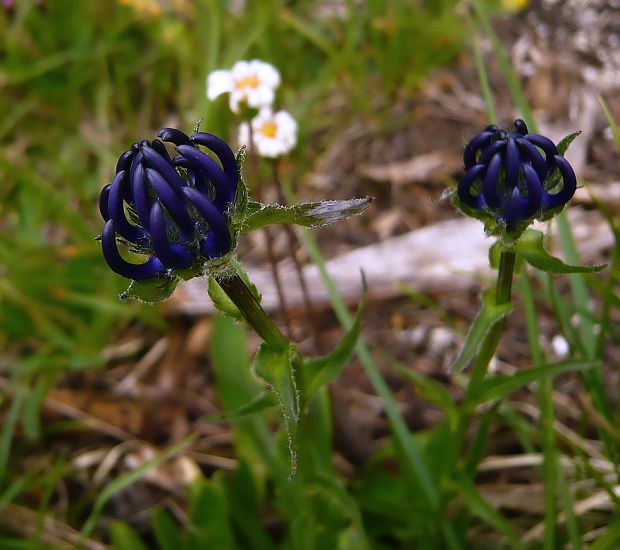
(273, 134)
(252, 82)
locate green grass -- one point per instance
(79, 82)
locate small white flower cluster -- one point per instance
(273, 133)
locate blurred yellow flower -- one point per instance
(514, 5)
(153, 8)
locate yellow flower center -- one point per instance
(269, 129)
(247, 82)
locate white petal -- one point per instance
(241, 69)
(285, 121)
(267, 73)
(236, 97)
(264, 113)
(218, 83)
(261, 97)
(269, 149)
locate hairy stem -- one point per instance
(503, 291)
(249, 306)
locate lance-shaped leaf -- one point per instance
(261, 402)
(498, 387)
(490, 313)
(530, 247)
(322, 370)
(310, 214)
(478, 506)
(276, 367)
(566, 141)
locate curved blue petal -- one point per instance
(491, 150)
(490, 183)
(124, 160)
(511, 163)
(103, 202)
(223, 152)
(472, 148)
(180, 160)
(546, 145)
(533, 155)
(198, 181)
(224, 189)
(173, 135)
(171, 255)
(195, 178)
(213, 217)
(531, 204)
(569, 185)
(174, 203)
(154, 160)
(512, 212)
(464, 187)
(116, 211)
(161, 149)
(521, 127)
(142, 201)
(148, 270)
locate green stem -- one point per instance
(503, 291)
(247, 303)
(489, 346)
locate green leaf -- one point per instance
(428, 388)
(124, 537)
(490, 313)
(499, 387)
(609, 539)
(209, 513)
(530, 247)
(261, 402)
(276, 367)
(322, 370)
(150, 290)
(329, 518)
(221, 301)
(311, 214)
(566, 141)
(244, 500)
(476, 504)
(167, 533)
(236, 386)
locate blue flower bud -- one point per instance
(508, 178)
(174, 210)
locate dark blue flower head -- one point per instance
(173, 209)
(512, 178)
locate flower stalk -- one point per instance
(249, 306)
(503, 291)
